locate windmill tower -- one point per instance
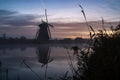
(43, 35)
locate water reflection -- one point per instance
(43, 53)
(42, 59)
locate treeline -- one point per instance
(69, 40)
(11, 40)
(24, 40)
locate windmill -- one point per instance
(43, 34)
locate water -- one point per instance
(35, 62)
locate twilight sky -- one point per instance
(21, 17)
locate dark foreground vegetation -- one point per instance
(101, 60)
(104, 63)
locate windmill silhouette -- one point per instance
(43, 34)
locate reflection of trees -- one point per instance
(2, 71)
(0, 74)
(0, 64)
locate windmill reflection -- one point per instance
(43, 53)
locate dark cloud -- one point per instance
(7, 12)
(15, 19)
(21, 20)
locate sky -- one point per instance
(22, 17)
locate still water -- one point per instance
(35, 62)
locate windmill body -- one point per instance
(43, 34)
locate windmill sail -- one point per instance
(48, 23)
(36, 35)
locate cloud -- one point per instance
(81, 26)
(113, 6)
(7, 12)
(15, 19)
